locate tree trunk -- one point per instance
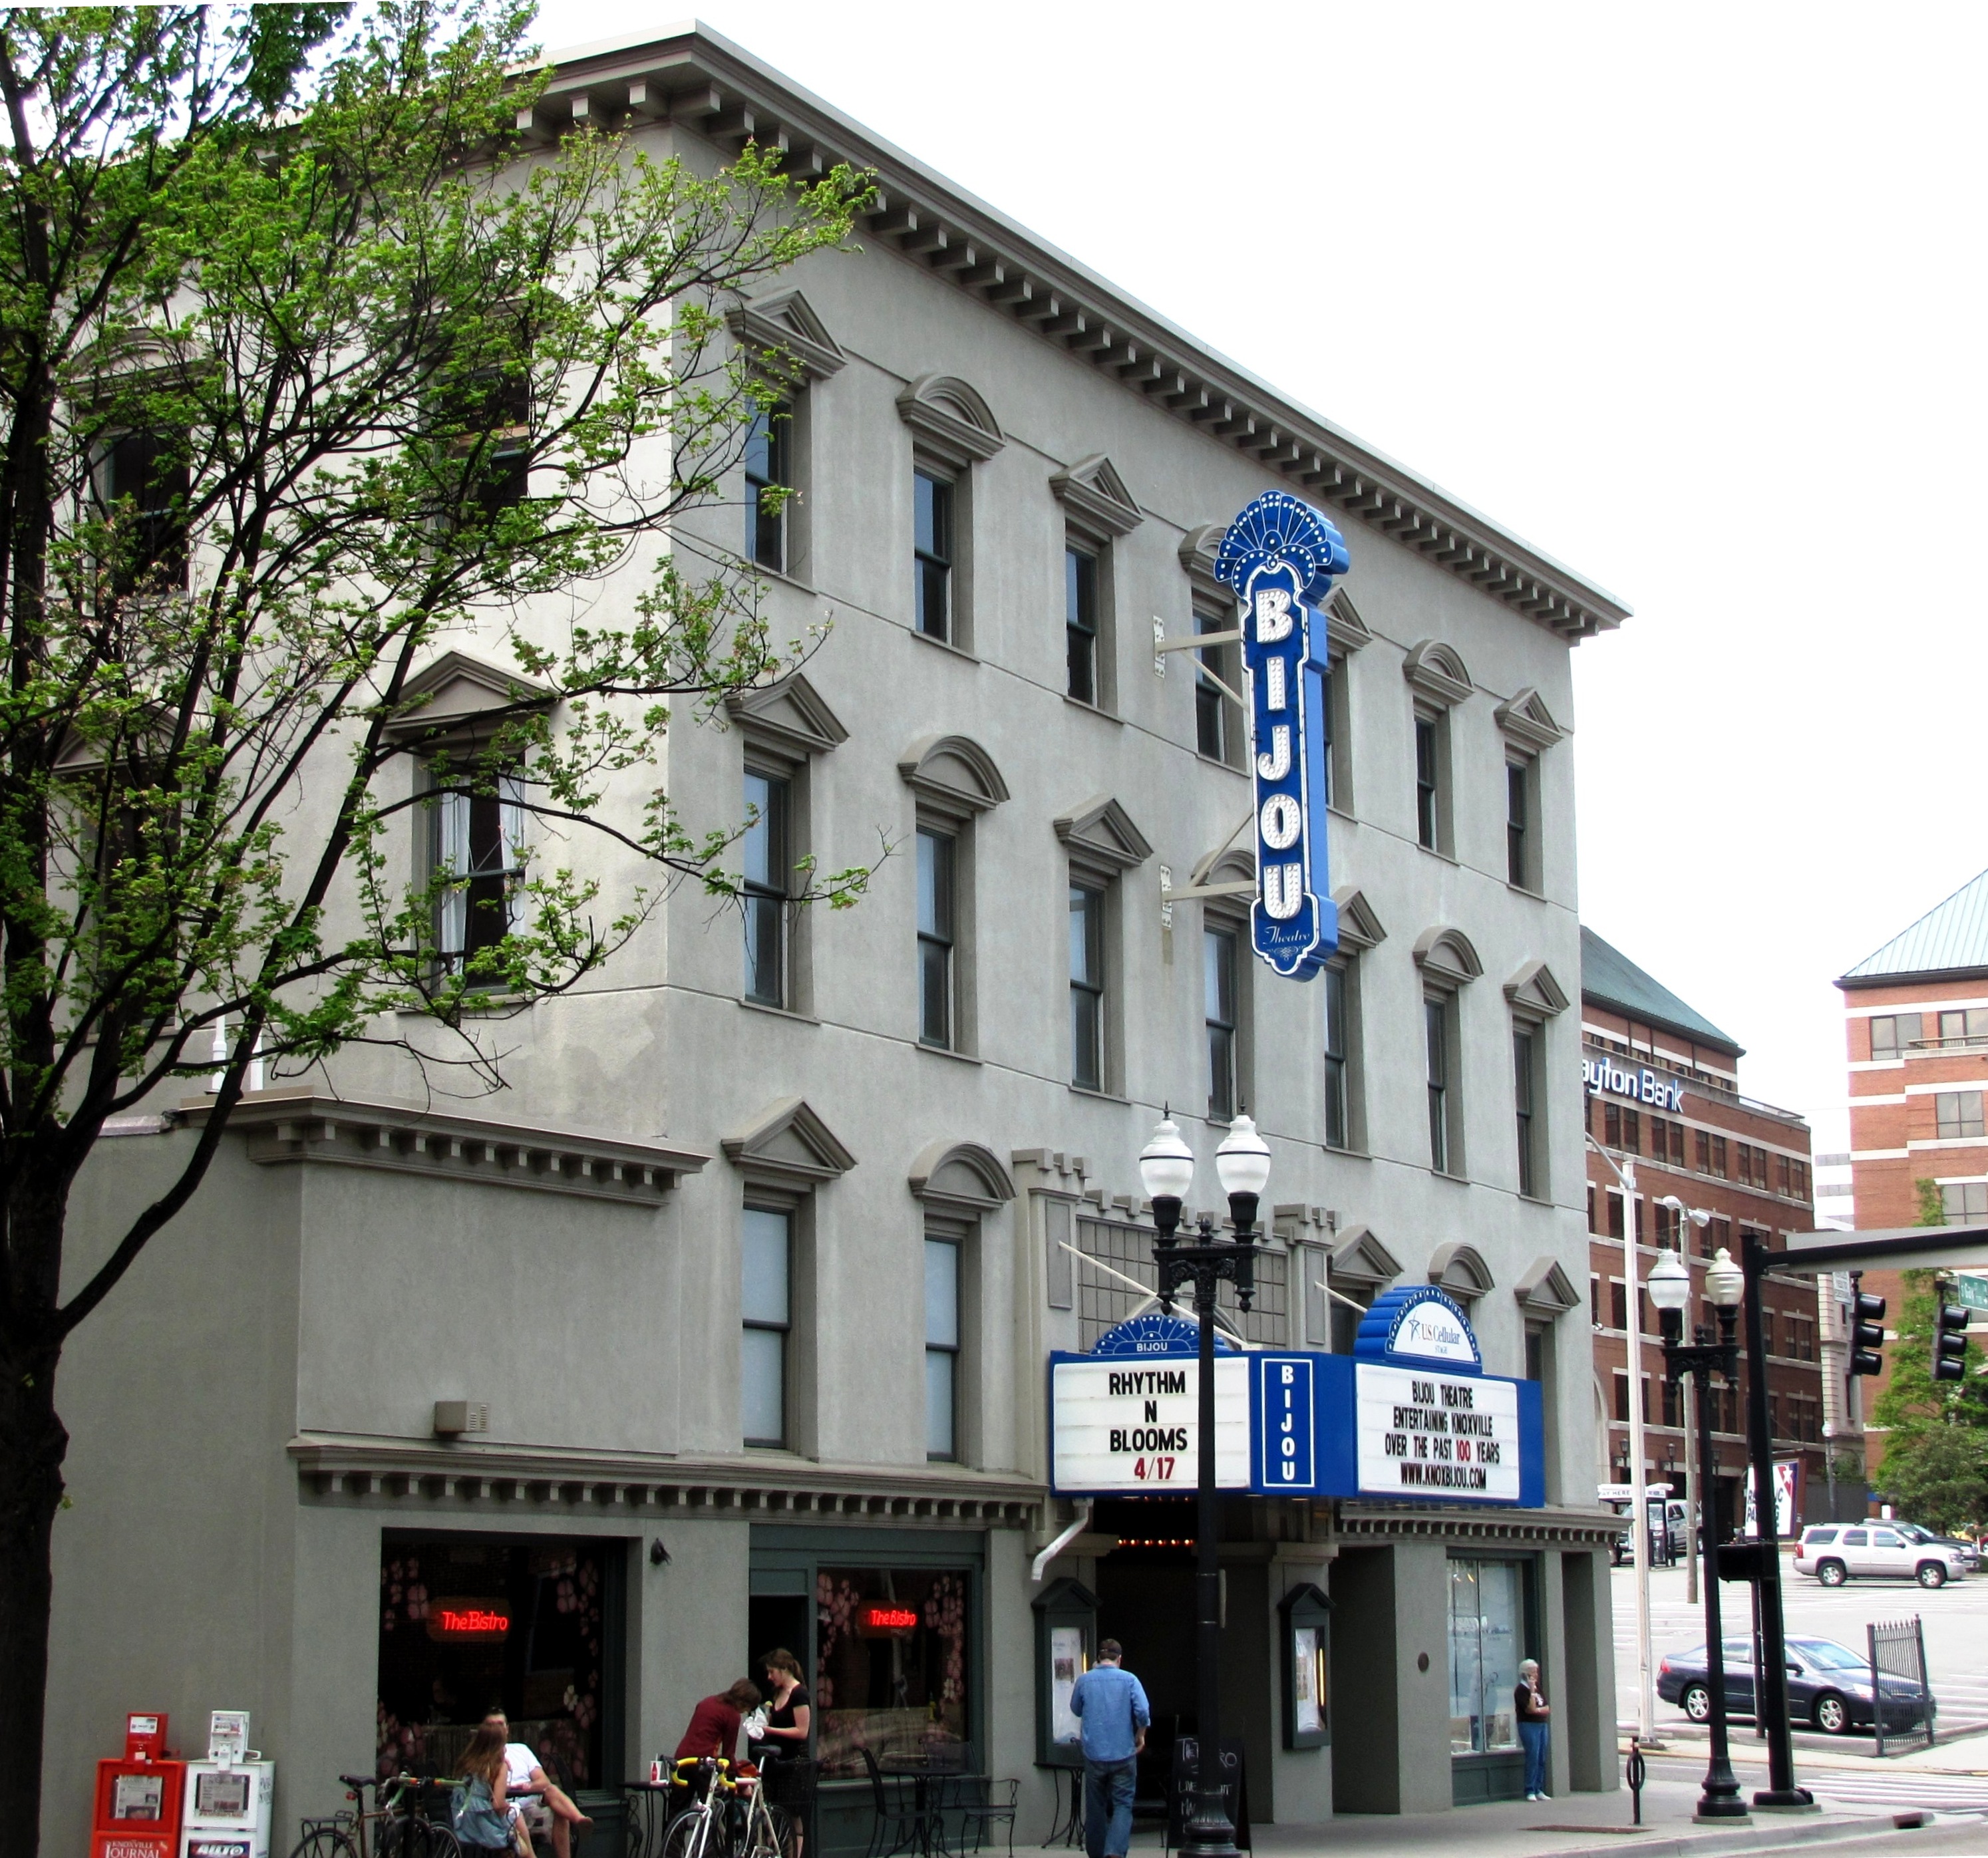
(32, 1445)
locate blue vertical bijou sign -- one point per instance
(1281, 557)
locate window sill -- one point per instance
(1099, 1097)
(944, 645)
(1213, 761)
(958, 1058)
(778, 1012)
(1436, 852)
(1525, 890)
(774, 574)
(1342, 812)
(1535, 1200)
(1091, 709)
(1443, 1174)
(1350, 1153)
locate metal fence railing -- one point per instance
(1898, 1653)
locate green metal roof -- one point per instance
(1610, 978)
(1952, 936)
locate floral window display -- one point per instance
(891, 1666)
(467, 1626)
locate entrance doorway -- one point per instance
(779, 1621)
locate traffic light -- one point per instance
(1867, 1332)
(1949, 1343)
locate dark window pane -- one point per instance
(143, 472)
(1522, 1091)
(1087, 987)
(1516, 821)
(1218, 954)
(1080, 622)
(1335, 1058)
(932, 498)
(935, 937)
(1211, 707)
(766, 470)
(767, 864)
(1435, 1030)
(1426, 782)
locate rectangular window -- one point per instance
(1218, 989)
(1673, 1402)
(476, 862)
(1436, 1039)
(1966, 1025)
(894, 1666)
(1429, 796)
(1616, 1224)
(1958, 1113)
(932, 552)
(1087, 987)
(1218, 728)
(1079, 611)
(936, 894)
(1632, 1132)
(1518, 814)
(1523, 1059)
(765, 1272)
(1535, 1352)
(1591, 1226)
(1718, 1157)
(1612, 1125)
(1718, 1237)
(1965, 1203)
(1704, 1152)
(1667, 1226)
(1487, 1638)
(1338, 1123)
(145, 482)
(1890, 1033)
(942, 1348)
(1594, 1300)
(767, 476)
(769, 866)
(1618, 1304)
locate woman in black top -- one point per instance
(789, 1731)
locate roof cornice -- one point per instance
(693, 77)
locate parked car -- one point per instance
(1969, 1553)
(1833, 1552)
(1829, 1687)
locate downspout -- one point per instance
(1062, 1542)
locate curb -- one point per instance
(1790, 1835)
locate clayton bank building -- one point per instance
(798, 1293)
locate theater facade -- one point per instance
(734, 1322)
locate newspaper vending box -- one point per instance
(229, 1796)
(137, 1810)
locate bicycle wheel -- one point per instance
(689, 1835)
(770, 1832)
(324, 1841)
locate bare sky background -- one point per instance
(1689, 297)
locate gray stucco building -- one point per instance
(757, 1264)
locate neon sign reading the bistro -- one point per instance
(1643, 1087)
(463, 1622)
(889, 1619)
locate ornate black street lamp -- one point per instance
(1670, 1291)
(1166, 1171)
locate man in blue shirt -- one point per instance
(1112, 1704)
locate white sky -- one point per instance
(1688, 296)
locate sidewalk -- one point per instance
(1580, 1825)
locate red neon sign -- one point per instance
(889, 1619)
(464, 1620)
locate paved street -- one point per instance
(1956, 1634)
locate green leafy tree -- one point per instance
(1937, 1475)
(308, 372)
(1932, 1206)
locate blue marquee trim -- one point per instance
(1156, 1333)
(1377, 1339)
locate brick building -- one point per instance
(1662, 1100)
(1916, 1025)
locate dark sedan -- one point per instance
(1829, 1687)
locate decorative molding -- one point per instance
(953, 771)
(1525, 717)
(1197, 552)
(1101, 830)
(1369, 1520)
(1459, 1267)
(1360, 1258)
(789, 1142)
(1343, 626)
(1533, 989)
(950, 419)
(790, 714)
(701, 82)
(1446, 955)
(1436, 670)
(784, 324)
(304, 1125)
(1359, 927)
(1546, 1290)
(420, 1477)
(1093, 492)
(457, 697)
(960, 1176)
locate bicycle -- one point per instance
(729, 1815)
(400, 1818)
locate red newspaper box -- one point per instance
(137, 1812)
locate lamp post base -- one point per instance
(1208, 1833)
(1785, 1799)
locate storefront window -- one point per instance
(1486, 1635)
(891, 1671)
(467, 1627)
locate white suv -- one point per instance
(1832, 1553)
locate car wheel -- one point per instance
(1830, 1714)
(1831, 1573)
(1932, 1574)
(1697, 1701)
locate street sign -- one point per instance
(1280, 556)
(1970, 1292)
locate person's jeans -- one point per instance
(1532, 1737)
(1107, 1807)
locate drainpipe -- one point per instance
(1062, 1542)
